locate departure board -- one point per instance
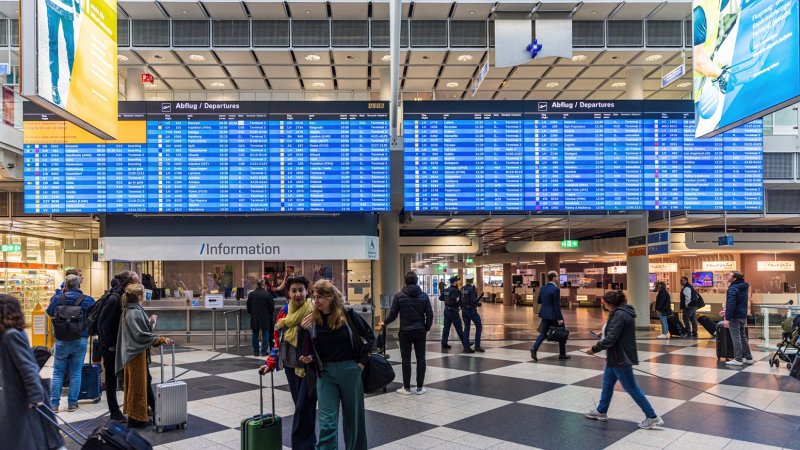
(235, 157)
(575, 156)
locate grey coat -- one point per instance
(20, 426)
(135, 335)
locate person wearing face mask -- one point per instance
(291, 343)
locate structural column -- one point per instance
(479, 279)
(134, 89)
(552, 261)
(508, 289)
(634, 83)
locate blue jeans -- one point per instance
(266, 341)
(451, 318)
(625, 376)
(664, 324)
(69, 356)
(54, 22)
(470, 315)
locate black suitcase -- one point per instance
(725, 343)
(108, 436)
(708, 324)
(676, 329)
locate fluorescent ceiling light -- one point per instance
(577, 58)
(685, 84)
(198, 58)
(313, 58)
(653, 58)
(122, 58)
(552, 84)
(318, 84)
(386, 58)
(452, 84)
(619, 84)
(217, 84)
(464, 58)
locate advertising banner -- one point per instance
(73, 70)
(719, 266)
(663, 267)
(746, 60)
(775, 266)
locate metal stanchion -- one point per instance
(214, 329)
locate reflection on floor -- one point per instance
(500, 399)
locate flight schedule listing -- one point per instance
(575, 156)
(235, 157)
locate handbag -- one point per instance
(377, 374)
(557, 334)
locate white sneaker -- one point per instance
(734, 362)
(651, 422)
(748, 361)
(420, 390)
(404, 391)
(596, 415)
(661, 336)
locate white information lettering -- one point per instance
(214, 301)
(618, 270)
(594, 271)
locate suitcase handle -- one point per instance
(261, 396)
(173, 365)
(72, 430)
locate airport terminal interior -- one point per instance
(616, 145)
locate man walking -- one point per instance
(689, 304)
(452, 302)
(736, 319)
(261, 307)
(469, 311)
(550, 299)
(416, 318)
(68, 311)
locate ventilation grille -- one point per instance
(625, 33)
(380, 33)
(778, 166)
(151, 33)
(350, 33)
(14, 36)
(664, 33)
(780, 201)
(231, 33)
(5, 200)
(270, 33)
(123, 33)
(468, 33)
(429, 33)
(3, 33)
(190, 33)
(311, 33)
(588, 33)
(687, 33)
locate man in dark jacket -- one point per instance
(452, 303)
(736, 319)
(469, 311)
(689, 304)
(108, 328)
(261, 308)
(416, 318)
(550, 299)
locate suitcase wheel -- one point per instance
(184, 426)
(97, 400)
(789, 366)
(157, 428)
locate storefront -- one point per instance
(31, 269)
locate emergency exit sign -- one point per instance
(11, 248)
(469, 261)
(569, 244)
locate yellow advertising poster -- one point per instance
(77, 59)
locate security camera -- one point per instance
(10, 165)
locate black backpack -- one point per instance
(93, 314)
(68, 320)
(697, 299)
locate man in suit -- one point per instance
(261, 307)
(550, 299)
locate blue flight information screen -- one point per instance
(575, 156)
(235, 157)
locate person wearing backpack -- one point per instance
(690, 301)
(108, 319)
(68, 311)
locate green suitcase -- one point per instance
(263, 431)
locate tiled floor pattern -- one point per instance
(501, 399)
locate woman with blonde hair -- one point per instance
(133, 355)
(342, 342)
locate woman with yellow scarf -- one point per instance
(292, 342)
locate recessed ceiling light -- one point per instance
(619, 84)
(426, 57)
(217, 84)
(685, 84)
(552, 84)
(464, 58)
(350, 57)
(122, 58)
(158, 57)
(151, 85)
(386, 58)
(471, 12)
(579, 58)
(313, 57)
(615, 57)
(653, 58)
(197, 58)
(318, 84)
(184, 11)
(308, 11)
(452, 84)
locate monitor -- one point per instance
(702, 279)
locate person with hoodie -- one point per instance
(619, 340)
(663, 308)
(736, 319)
(416, 318)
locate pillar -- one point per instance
(638, 286)
(479, 279)
(386, 84)
(134, 89)
(508, 290)
(552, 261)
(634, 83)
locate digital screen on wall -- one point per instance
(72, 67)
(575, 156)
(746, 58)
(236, 157)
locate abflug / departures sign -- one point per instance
(233, 250)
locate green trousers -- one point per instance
(340, 383)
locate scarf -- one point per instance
(291, 327)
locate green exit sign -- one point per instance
(469, 260)
(569, 244)
(11, 248)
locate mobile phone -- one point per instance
(595, 335)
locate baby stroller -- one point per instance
(791, 340)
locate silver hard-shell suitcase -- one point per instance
(172, 399)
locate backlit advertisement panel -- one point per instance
(746, 57)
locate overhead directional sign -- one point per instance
(479, 79)
(673, 75)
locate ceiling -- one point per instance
(83, 227)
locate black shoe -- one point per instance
(564, 357)
(119, 417)
(479, 349)
(468, 350)
(446, 346)
(533, 356)
(694, 335)
(133, 423)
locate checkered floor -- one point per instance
(501, 399)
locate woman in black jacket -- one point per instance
(619, 339)
(663, 308)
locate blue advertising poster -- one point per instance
(746, 59)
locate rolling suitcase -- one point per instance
(708, 324)
(263, 431)
(108, 436)
(172, 399)
(725, 343)
(676, 329)
(91, 387)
